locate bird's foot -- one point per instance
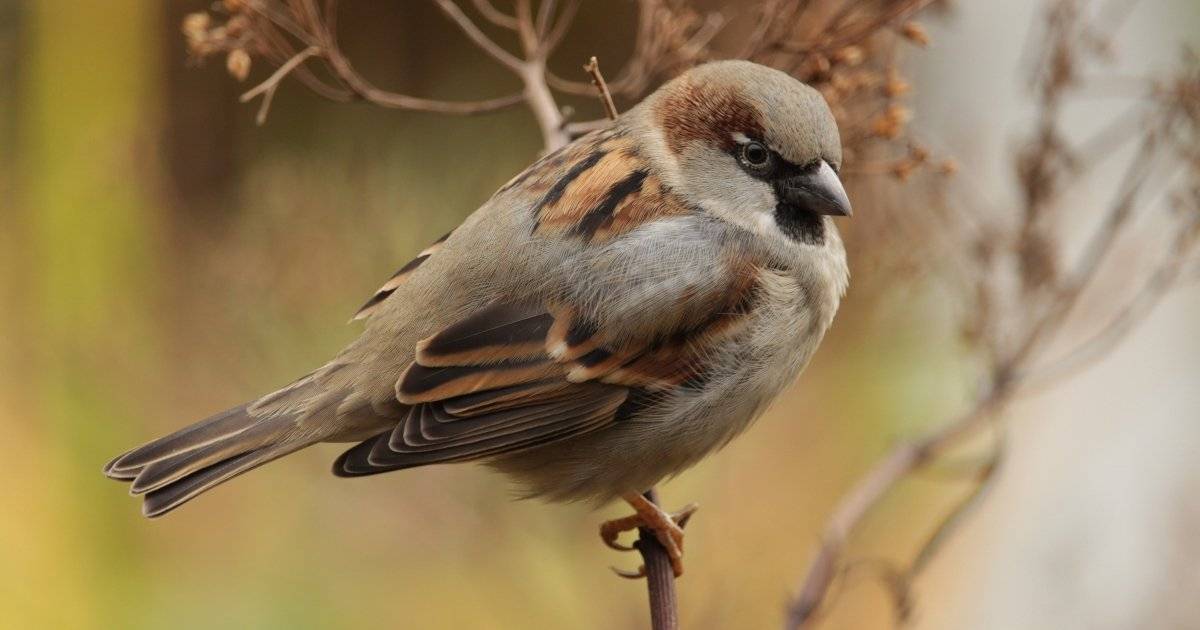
(667, 528)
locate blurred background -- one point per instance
(162, 258)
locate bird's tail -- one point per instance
(173, 469)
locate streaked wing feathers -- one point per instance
(601, 188)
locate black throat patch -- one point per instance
(799, 223)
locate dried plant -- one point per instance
(847, 53)
(1019, 287)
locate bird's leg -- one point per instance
(667, 528)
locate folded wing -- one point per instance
(513, 377)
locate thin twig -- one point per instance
(593, 70)
(494, 15)
(1119, 325)
(545, 10)
(267, 88)
(477, 36)
(526, 29)
(323, 40)
(554, 37)
(368, 92)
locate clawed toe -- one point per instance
(667, 528)
(630, 575)
(611, 530)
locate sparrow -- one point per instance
(620, 309)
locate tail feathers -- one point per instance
(222, 425)
(164, 471)
(172, 495)
(174, 469)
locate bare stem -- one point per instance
(540, 101)
(593, 69)
(267, 88)
(494, 15)
(477, 36)
(660, 576)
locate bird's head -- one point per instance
(751, 145)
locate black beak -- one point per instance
(818, 191)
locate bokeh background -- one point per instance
(161, 258)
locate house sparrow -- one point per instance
(622, 308)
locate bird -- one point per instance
(622, 308)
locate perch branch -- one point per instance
(660, 577)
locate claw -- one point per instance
(630, 575)
(610, 530)
(684, 515)
(667, 528)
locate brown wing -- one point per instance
(512, 377)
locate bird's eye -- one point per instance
(755, 154)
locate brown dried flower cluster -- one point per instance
(235, 37)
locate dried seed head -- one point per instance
(915, 33)
(865, 79)
(890, 124)
(895, 85)
(196, 24)
(918, 153)
(238, 64)
(902, 169)
(237, 25)
(195, 31)
(816, 67)
(849, 56)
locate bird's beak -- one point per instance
(818, 191)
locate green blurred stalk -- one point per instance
(88, 121)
